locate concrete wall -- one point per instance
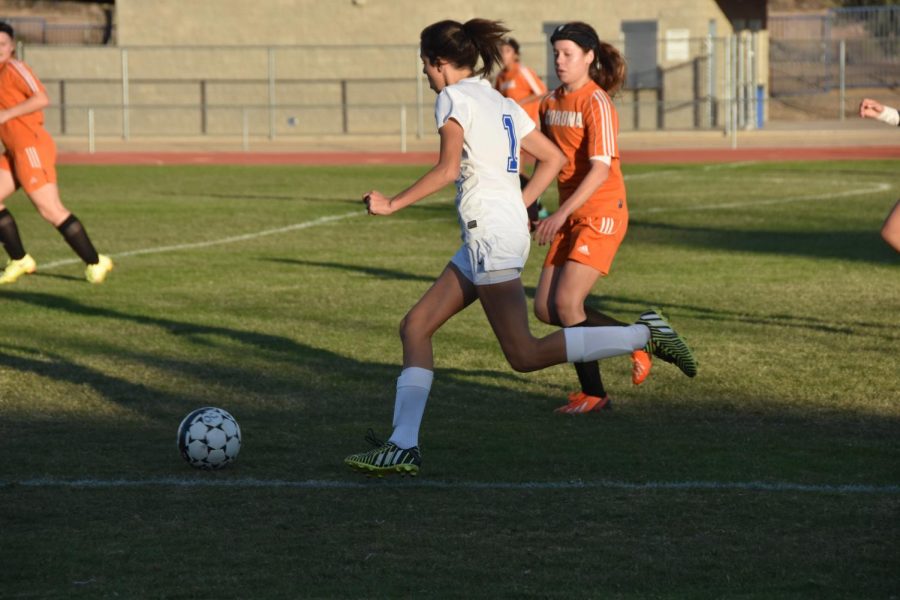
(288, 22)
(204, 66)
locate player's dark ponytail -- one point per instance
(463, 44)
(608, 71)
(608, 68)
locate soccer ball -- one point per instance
(209, 438)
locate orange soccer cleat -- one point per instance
(579, 402)
(640, 366)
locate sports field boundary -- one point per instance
(335, 484)
(662, 156)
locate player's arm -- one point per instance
(550, 161)
(594, 178)
(38, 101)
(445, 172)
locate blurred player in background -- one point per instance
(586, 230)
(29, 162)
(872, 109)
(520, 83)
(481, 133)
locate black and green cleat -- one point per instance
(385, 459)
(665, 343)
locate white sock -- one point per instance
(584, 344)
(413, 387)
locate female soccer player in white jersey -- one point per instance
(481, 135)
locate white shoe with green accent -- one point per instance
(385, 459)
(16, 268)
(97, 273)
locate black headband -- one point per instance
(583, 39)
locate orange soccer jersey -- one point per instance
(30, 152)
(518, 82)
(585, 125)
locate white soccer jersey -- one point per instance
(488, 196)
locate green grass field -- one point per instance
(266, 291)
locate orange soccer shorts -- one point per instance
(32, 164)
(592, 241)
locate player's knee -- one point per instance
(521, 357)
(891, 235)
(543, 313)
(406, 327)
(412, 327)
(570, 313)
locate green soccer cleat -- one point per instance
(16, 268)
(97, 272)
(665, 343)
(386, 458)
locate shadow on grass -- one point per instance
(844, 245)
(275, 364)
(631, 306)
(289, 393)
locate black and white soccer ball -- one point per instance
(209, 438)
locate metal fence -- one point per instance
(709, 83)
(814, 54)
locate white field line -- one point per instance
(878, 187)
(323, 484)
(875, 188)
(218, 242)
(716, 167)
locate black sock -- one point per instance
(9, 235)
(77, 238)
(589, 374)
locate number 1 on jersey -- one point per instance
(512, 163)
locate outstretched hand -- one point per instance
(870, 109)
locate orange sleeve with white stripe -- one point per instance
(601, 125)
(27, 82)
(534, 83)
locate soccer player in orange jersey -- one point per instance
(520, 83)
(29, 162)
(590, 224)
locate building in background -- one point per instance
(306, 67)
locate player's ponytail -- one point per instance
(608, 67)
(608, 71)
(463, 44)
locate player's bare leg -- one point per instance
(507, 311)
(450, 294)
(890, 231)
(19, 263)
(48, 203)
